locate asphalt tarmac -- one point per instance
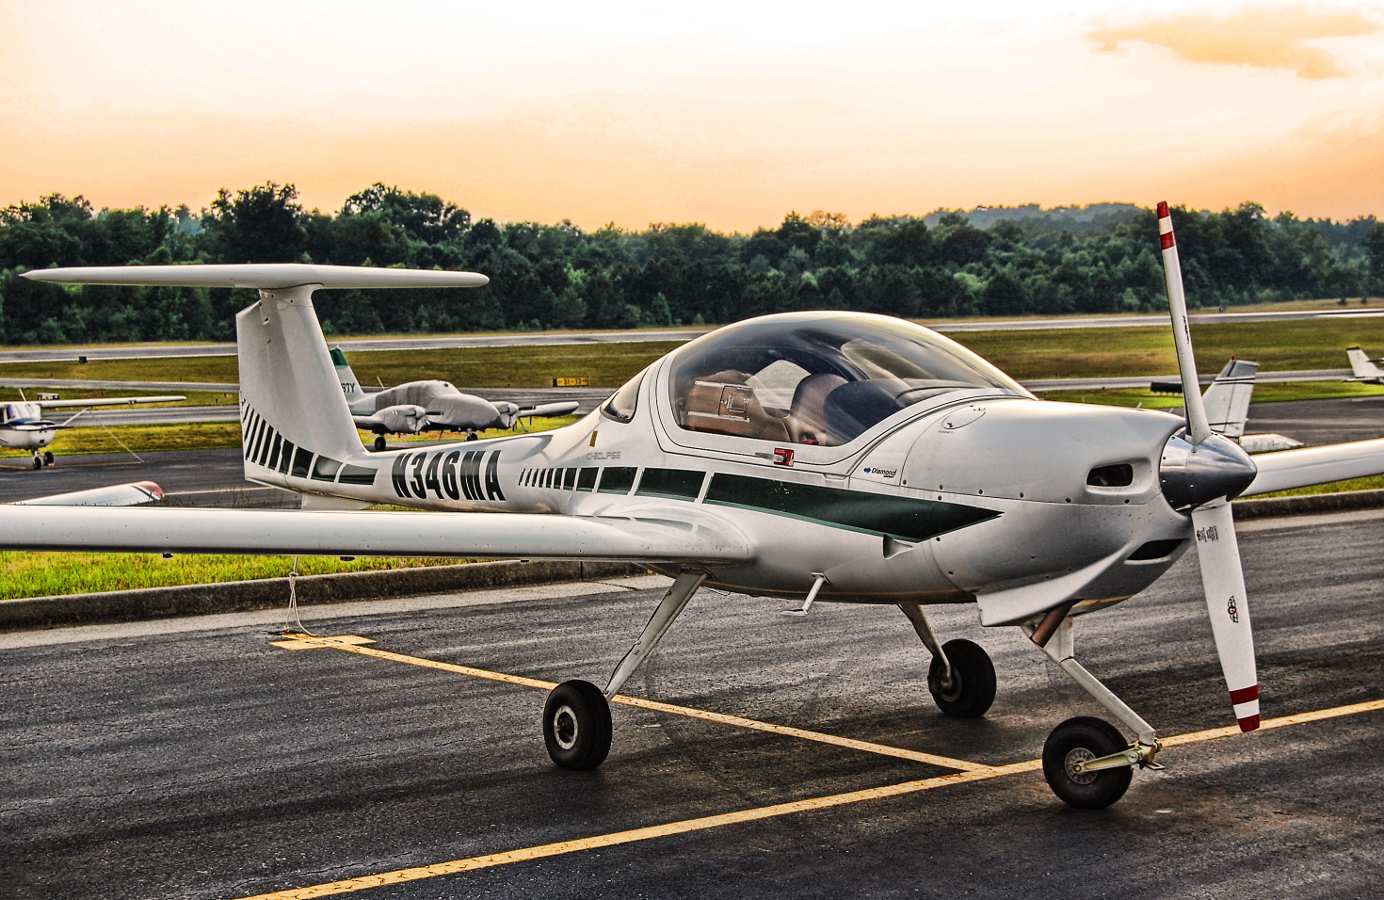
(529, 339)
(192, 758)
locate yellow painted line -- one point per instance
(298, 643)
(917, 756)
(704, 823)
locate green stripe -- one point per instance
(904, 518)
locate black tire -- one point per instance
(38, 463)
(972, 686)
(48, 457)
(1085, 737)
(576, 725)
(379, 443)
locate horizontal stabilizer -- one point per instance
(265, 276)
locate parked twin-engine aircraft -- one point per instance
(417, 406)
(23, 427)
(819, 456)
(1363, 368)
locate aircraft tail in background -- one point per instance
(1362, 367)
(1227, 399)
(350, 384)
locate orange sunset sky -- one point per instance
(725, 113)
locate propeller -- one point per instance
(1203, 471)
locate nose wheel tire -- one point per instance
(38, 462)
(576, 725)
(48, 457)
(970, 690)
(1078, 740)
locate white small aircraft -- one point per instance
(818, 456)
(1227, 409)
(23, 427)
(417, 406)
(1363, 368)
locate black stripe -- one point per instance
(274, 452)
(905, 518)
(586, 478)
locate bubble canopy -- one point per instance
(819, 378)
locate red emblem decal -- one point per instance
(783, 456)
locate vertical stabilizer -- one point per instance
(294, 418)
(1361, 366)
(350, 384)
(1227, 399)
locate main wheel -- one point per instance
(576, 725)
(48, 457)
(379, 443)
(1077, 740)
(38, 462)
(971, 688)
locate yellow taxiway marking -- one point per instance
(304, 642)
(703, 823)
(353, 645)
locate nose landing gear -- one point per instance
(45, 459)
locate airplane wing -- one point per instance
(1316, 465)
(108, 401)
(564, 408)
(648, 538)
(134, 493)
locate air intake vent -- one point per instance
(1121, 475)
(1155, 550)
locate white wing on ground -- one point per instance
(530, 536)
(1317, 465)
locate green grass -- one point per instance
(139, 438)
(31, 574)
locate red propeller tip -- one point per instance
(1162, 209)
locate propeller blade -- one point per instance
(1223, 580)
(1197, 426)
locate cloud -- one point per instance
(1265, 38)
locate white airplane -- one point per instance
(818, 456)
(23, 427)
(134, 493)
(1227, 409)
(417, 406)
(1363, 368)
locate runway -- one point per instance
(800, 757)
(531, 339)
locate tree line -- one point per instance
(1002, 260)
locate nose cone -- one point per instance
(1193, 474)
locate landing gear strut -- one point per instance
(961, 677)
(576, 718)
(1087, 761)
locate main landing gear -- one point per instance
(576, 718)
(1087, 761)
(961, 677)
(44, 459)
(380, 443)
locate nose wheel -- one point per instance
(961, 679)
(1067, 757)
(576, 725)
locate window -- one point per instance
(621, 404)
(818, 378)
